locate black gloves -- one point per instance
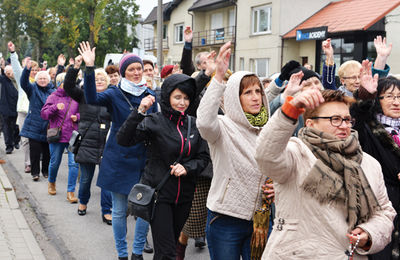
(287, 69)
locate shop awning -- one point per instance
(347, 15)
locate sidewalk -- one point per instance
(16, 238)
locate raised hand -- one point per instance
(383, 51)
(176, 69)
(308, 99)
(328, 50)
(28, 63)
(293, 85)
(11, 46)
(74, 118)
(78, 62)
(61, 60)
(60, 106)
(367, 81)
(45, 64)
(71, 61)
(222, 61)
(188, 34)
(88, 54)
(146, 103)
(210, 63)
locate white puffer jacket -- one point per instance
(236, 184)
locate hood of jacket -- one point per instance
(185, 83)
(60, 92)
(232, 106)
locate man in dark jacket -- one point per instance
(8, 109)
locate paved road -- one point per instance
(60, 231)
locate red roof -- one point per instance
(348, 15)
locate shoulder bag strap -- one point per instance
(127, 100)
(69, 104)
(164, 180)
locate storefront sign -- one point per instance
(319, 33)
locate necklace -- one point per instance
(351, 249)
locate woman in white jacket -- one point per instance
(330, 196)
(236, 185)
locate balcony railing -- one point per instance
(151, 44)
(214, 37)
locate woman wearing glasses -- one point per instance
(330, 196)
(377, 114)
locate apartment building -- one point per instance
(263, 33)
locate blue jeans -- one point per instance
(56, 152)
(228, 237)
(87, 172)
(120, 205)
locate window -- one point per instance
(165, 32)
(179, 33)
(260, 67)
(241, 63)
(261, 19)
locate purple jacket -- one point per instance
(50, 112)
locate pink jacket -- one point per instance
(303, 228)
(50, 112)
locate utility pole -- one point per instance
(160, 25)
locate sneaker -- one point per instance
(148, 248)
(16, 146)
(28, 169)
(45, 175)
(35, 178)
(9, 150)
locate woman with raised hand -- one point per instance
(331, 202)
(121, 167)
(61, 111)
(237, 182)
(93, 127)
(377, 115)
(35, 128)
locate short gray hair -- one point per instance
(42, 72)
(197, 58)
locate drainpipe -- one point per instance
(234, 46)
(282, 40)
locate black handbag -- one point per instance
(54, 133)
(142, 198)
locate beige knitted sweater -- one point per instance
(236, 184)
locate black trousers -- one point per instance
(166, 226)
(37, 149)
(11, 131)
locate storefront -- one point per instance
(352, 39)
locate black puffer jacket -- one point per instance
(93, 125)
(164, 133)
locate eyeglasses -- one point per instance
(353, 78)
(390, 97)
(336, 120)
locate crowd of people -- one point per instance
(298, 166)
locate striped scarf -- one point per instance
(392, 126)
(337, 175)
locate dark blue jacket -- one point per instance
(121, 167)
(34, 126)
(8, 97)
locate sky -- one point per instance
(145, 6)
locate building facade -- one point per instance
(263, 33)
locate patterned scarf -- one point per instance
(392, 126)
(258, 120)
(132, 88)
(337, 175)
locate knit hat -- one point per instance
(307, 73)
(127, 60)
(166, 70)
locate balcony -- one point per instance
(150, 44)
(214, 37)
